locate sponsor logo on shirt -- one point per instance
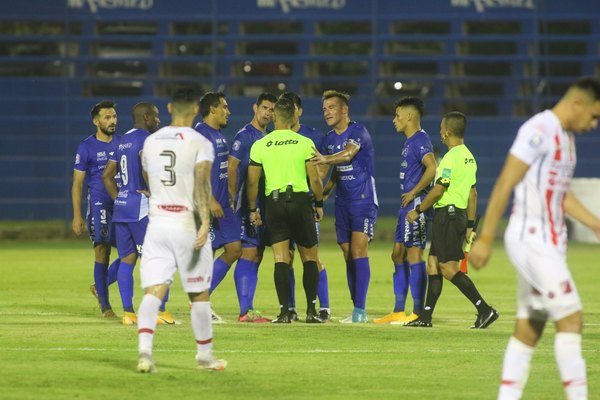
(347, 178)
(223, 164)
(344, 168)
(123, 146)
(236, 145)
(281, 142)
(77, 158)
(195, 279)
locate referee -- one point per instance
(284, 156)
(454, 198)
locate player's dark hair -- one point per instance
(590, 85)
(343, 97)
(141, 108)
(266, 96)
(210, 99)
(284, 108)
(456, 123)
(103, 104)
(184, 95)
(414, 102)
(293, 97)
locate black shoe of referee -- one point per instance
(283, 318)
(313, 318)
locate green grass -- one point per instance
(53, 344)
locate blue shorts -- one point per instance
(254, 236)
(99, 222)
(225, 230)
(130, 236)
(411, 235)
(354, 218)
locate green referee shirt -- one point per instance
(457, 172)
(283, 154)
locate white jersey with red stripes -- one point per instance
(169, 158)
(538, 208)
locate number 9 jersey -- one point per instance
(169, 158)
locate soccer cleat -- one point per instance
(211, 364)
(216, 319)
(108, 314)
(347, 320)
(165, 318)
(313, 318)
(391, 318)
(408, 318)
(359, 316)
(293, 314)
(283, 318)
(93, 290)
(325, 314)
(253, 316)
(129, 318)
(485, 319)
(145, 363)
(419, 323)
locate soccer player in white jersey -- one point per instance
(539, 168)
(177, 163)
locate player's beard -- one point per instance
(107, 131)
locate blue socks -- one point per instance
(246, 279)
(401, 279)
(113, 271)
(292, 301)
(100, 280)
(125, 280)
(163, 305)
(323, 290)
(362, 278)
(220, 269)
(351, 277)
(418, 285)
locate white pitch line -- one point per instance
(306, 351)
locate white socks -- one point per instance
(147, 314)
(567, 352)
(202, 327)
(515, 370)
(571, 365)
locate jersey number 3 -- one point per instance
(169, 167)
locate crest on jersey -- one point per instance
(535, 141)
(404, 151)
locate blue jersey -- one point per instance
(411, 167)
(356, 178)
(315, 135)
(218, 176)
(91, 158)
(240, 149)
(130, 205)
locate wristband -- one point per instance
(319, 203)
(418, 209)
(470, 223)
(252, 210)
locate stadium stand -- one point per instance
(497, 61)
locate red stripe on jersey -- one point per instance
(507, 382)
(146, 330)
(557, 152)
(553, 235)
(173, 208)
(207, 341)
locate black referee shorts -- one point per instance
(448, 234)
(292, 219)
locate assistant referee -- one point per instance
(284, 157)
(454, 199)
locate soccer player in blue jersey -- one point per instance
(318, 139)
(130, 216)
(225, 228)
(90, 161)
(350, 149)
(254, 238)
(417, 172)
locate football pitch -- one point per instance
(54, 345)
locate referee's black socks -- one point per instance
(310, 280)
(282, 285)
(467, 287)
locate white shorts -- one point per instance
(169, 247)
(546, 289)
